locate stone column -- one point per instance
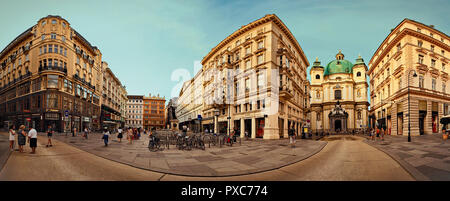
(253, 128)
(428, 126)
(242, 128)
(216, 124)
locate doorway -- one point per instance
(337, 125)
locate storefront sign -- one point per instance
(51, 116)
(86, 119)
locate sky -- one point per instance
(146, 42)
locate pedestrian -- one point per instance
(74, 132)
(32, 139)
(130, 135)
(120, 134)
(291, 133)
(12, 137)
(246, 134)
(378, 133)
(206, 131)
(21, 138)
(86, 132)
(105, 137)
(49, 136)
(383, 130)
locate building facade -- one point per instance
(50, 75)
(339, 100)
(154, 112)
(253, 81)
(409, 84)
(113, 100)
(135, 111)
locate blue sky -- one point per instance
(144, 42)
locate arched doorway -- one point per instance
(338, 118)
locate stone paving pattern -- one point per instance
(251, 156)
(426, 157)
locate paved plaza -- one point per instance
(426, 157)
(251, 156)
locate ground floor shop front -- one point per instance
(425, 115)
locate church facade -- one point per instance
(339, 100)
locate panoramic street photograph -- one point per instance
(235, 91)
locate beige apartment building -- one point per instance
(339, 99)
(413, 61)
(50, 75)
(135, 111)
(114, 99)
(253, 81)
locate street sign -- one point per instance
(199, 117)
(66, 113)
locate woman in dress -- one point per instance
(12, 137)
(21, 138)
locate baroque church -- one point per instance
(339, 100)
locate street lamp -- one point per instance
(409, 107)
(216, 114)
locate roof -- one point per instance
(338, 66)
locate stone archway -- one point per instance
(338, 118)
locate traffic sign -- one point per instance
(66, 113)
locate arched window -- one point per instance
(317, 76)
(358, 74)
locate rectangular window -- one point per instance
(247, 51)
(43, 37)
(65, 52)
(63, 38)
(40, 50)
(432, 48)
(247, 85)
(52, 81)
(433, 63)
(52, 100)
(56, 48)
(260, 45)
(420, 59)
(45, 49)
(53, 36)
(50, 48)
(247, 64)
(260, 59)
(78, 60)
(261, 80)
(433, 84)
(419, 43)
(60, 50)
(421, 81)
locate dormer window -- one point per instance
(317, 76)
(358, 74)
(53, 21)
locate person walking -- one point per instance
(246, 134)
(74, 132)
(383, 131)
(120, 134)
(86, 132)
(291, 133)
(49, 136)
(32, 139)
(130, 135)
(12, 137)
(21, 138)
(105, 137)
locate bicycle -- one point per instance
(154, 144)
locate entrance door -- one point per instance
(281, 127)
(422, 115)
(337, 125)
(248, 127)
(400, 124)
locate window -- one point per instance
(287, 62)
(431, 35)
(43, 37)
(52, 100)
(399, 83)
(78, 60)
(63, 25)
(27, 58)
(433, 84)
(260, 59)
(260, 45)
(317, 77)
(419, 43)
(421, 80)
(65, 52)
(56, 48)
(238, 42)
(53, 21)
(420, 59)
(358, 74)
(50, 48)
(247, 51)
(237, 88)
(260, 80)
(247, 85)
(68, 86)
(40, 50)
(44, 22)
(53, 36)
(443, 67)
(52, 81)
(432, 48)
(247, 64)
(433, 63)
(418, 30)
(63, 38)
(337, 95)
(399, 46)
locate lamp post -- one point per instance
(409, 107)
(216, 114)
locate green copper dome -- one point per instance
(340, 65)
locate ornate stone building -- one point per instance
(254, 80)
(339, 95)
(412, 61)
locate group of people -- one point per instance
(378, 132)
(22, 136)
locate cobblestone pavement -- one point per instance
(251, 156)
(426, 157)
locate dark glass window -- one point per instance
(337, 95)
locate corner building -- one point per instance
(50, 75)
(254, 80)
(339, 95)
(412, 48)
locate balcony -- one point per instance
(76, 77)
(52, 68)
(285, 93)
